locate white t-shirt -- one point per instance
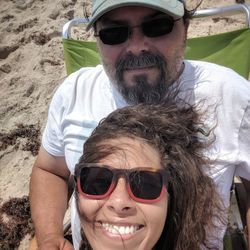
(87, 96)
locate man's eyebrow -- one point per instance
(157, 14)
(109, 20)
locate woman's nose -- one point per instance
(119, 201)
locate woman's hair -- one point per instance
(177, 134)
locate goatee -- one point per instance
(142, 91)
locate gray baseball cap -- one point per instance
(173, 8)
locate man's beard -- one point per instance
(141, 90)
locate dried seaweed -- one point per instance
(18, 224)
(31, 134)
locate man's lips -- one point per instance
(138, 68)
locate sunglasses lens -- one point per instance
(158, 27)
(115, 35)
(95, 180)
(146, 185)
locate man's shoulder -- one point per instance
(90, 74)
(83, 79)
(213, 73)
(209, 81)
(82, 84)
(208, 66)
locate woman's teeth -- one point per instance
(121, 230)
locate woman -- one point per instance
(140, 183)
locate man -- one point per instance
(142, 46)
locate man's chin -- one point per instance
(130, 76)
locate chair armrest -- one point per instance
(66, 33)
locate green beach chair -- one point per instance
(230, 49)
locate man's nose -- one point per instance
(119, 201)
(137, 41)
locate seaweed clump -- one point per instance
(15, 222)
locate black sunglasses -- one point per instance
(144, 185)
(152, 28)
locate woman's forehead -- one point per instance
(131, 153)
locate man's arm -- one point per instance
(246, 184)
(48, 198)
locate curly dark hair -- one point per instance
(177, 133)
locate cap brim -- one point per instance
(174, 8)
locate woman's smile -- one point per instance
(124, 231)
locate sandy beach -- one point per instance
(31, 68)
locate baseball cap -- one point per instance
(174, 8)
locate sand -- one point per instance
(32, 67)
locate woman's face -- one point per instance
(119, 222)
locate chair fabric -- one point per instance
(79, 54)
(230, 49)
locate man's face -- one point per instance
(142, 68)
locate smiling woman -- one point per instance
(127, 201)
(140, 183)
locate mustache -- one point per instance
(145, 59)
